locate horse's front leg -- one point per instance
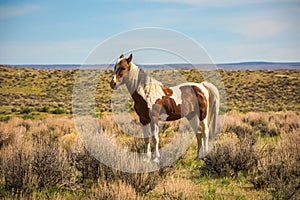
(155, 130)
(156, 110)
(146, 131)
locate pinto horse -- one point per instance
(153, 101)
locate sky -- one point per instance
(65, 32)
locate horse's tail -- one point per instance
(213, 111)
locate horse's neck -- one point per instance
(147, 87)
(135, 79)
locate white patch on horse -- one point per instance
(151, 91)
(114, 78)
(176, 94)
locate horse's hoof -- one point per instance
(156, 160)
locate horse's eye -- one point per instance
(122, 68)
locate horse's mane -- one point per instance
(149, 88)
(139, 78)
(142, 77)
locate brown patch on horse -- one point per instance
(168, 106)
(202, 102)
(167, 90)
(141, 108)
(193, 100)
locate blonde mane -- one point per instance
(149, 88)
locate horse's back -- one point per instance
(198, 85)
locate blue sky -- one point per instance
(51, 32)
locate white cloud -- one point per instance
(262, 25)
(261, 29)
(15, 11)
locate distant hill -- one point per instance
(259, 66)
(225, 66)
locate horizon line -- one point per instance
(220, 63)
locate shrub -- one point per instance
(58, 111)
(25, 110)
(241, 131)
(14, 110)
(49, 165)
(92, 169)
(145, 182)
(264, 128)
(230, 156)
(278, 169)
(35, 163)
(45, 109)
(5, 118)
(17, 170)
(29, 116)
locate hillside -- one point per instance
(37, 90)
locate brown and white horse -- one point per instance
(153, 101)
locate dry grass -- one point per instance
(175, 188)
(42, 155)
(45, 158)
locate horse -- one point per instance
(154, 101)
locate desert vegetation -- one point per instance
(257, 154)
(34, 92)
(45, 158)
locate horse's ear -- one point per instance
(129, 59)
(121, 56)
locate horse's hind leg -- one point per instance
(194, 122)
(205, 136)
(201, 130)
(201, 146)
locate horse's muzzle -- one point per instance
(113, 84)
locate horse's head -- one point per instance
(121, 71)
